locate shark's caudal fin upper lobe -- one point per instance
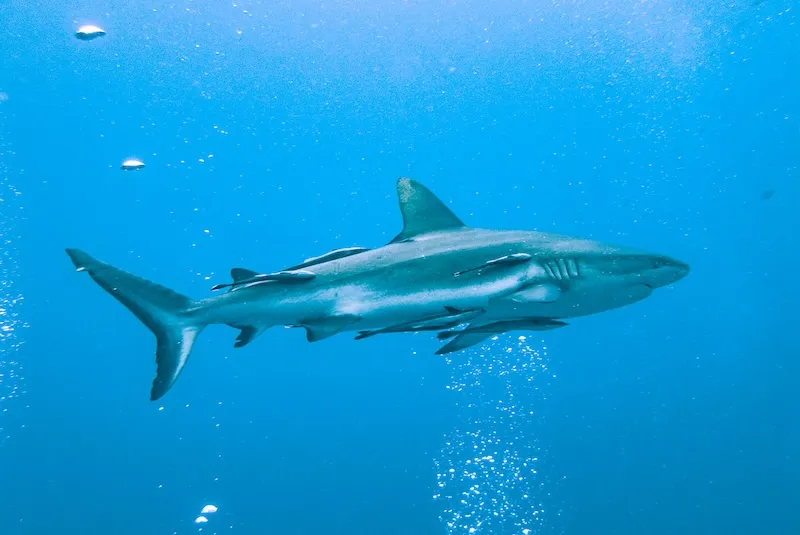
(159, 308)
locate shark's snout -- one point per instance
(665, 271)
(682, 269)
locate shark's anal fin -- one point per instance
(321, 328)
(247, 334)
(507, 260)
(245, 277)
(422, 211)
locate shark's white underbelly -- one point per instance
(378, 306)
(581, 301)
(367, 308)
(381, 309)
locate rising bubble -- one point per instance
(11, 380)
(488, 479)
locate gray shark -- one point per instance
(436, 274)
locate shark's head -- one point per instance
(603, 264)
(607, 278)
(639, 268)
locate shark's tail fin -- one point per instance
(160, 309)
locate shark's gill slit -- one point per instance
(549, 269)
(573, 268)
(562, 267)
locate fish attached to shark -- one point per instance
(435, 275)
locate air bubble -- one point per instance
(486, 471)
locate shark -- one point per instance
(438, 274)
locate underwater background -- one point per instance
(275, 130)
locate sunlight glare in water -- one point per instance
(487, 478)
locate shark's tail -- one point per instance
(163, 311)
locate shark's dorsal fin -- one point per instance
(422, 211)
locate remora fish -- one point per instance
(435, 274)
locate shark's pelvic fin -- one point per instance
(162, 310)
(327, 257)
(321, 328)
(422, 211)
(507, 260)
(240, 280)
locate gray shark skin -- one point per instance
(436, 274)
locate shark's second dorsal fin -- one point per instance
(240, 274)
(422, 211)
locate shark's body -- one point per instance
(435, 275)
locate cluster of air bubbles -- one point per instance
(207, 510)
(11, 380)
(487, 476)
(90, 32)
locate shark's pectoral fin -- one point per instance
(507, 260)
(321, 328)
(462, 340)
(422, 211)
(540, 293)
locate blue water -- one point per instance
(275, 131)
